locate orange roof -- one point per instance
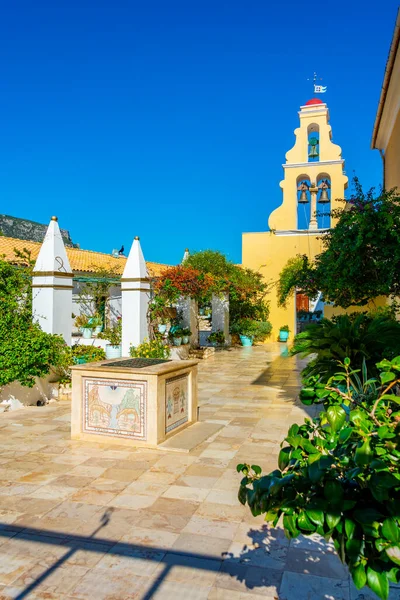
(84, 261)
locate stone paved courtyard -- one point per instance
(85, 521)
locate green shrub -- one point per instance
(357, 336)
(26, 351)
(258, 330)
(338, 475)
(217, 337)
(150, 349)
(89, 353)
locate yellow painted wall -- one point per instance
(268, 253)
(392, 158)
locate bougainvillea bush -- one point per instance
(338, 474)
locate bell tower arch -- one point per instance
(313, 174)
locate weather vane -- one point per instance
(318, 89)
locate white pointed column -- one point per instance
(185, 256)
(220, 314)
(52, 285)
(135, 291)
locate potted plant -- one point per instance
(84, 325)
(217, 338)
(284, 333)
(186, 333)
(245, 329)
(97, 323)
(82, 354)
(114, 336)
(175, 335)
(153, 349)
(162, 325)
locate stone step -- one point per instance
(190, 438)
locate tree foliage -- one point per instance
(361, 254)
(26, 351)
(247, 288)
(338, 475)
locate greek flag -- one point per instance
(320, 89)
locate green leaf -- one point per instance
(350, 527)
(256, 469)
(394, 554)
(289, 523)
(242, 495)
(240, 467)
(387, 376)
(332, 519)
(284, 458)
(314, 472)
(378, 582)
(364, 454)
(346, 362)
(336, 417)
(345, 434)
(391, 397)
(390, 530)
(316, 516)
(359, 576)
(303, 522)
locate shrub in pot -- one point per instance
(175, 335)
(186, 333)
(338, 474)
(97, 323)
(84, 324)
(114, 336)
(217, 338)
(284, 333)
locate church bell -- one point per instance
(324, 198)
(303, 198)
(324, 187)
(313, 148)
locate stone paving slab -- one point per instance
(83, 521)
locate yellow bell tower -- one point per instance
(313, 183)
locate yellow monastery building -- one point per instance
(313, 182)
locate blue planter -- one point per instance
(86, 333)
(283, 336)
(177, 341)
(246, 341)
(162, 328)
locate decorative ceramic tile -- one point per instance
(115, 407)
(176, 402)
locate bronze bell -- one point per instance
(303, 197)
(313, 152)
(324, 187)
(324, 198)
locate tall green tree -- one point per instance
(361, 254)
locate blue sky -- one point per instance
(170, 120)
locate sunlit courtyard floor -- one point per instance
(86, 521)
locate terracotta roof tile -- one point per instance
(84, 261)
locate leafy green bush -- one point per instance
(26, 351)
(338, 475)
(357, 336)
(88, 352)
(113, 334)
(150, 349)
(258, 330)
(217, 337)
